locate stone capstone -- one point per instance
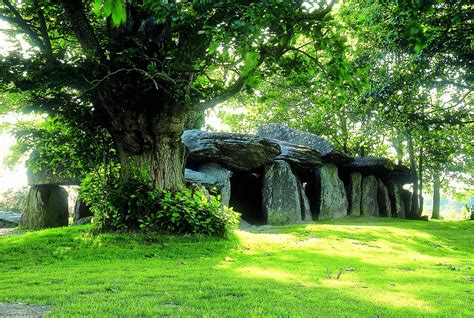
(355, 193)
(222, 177)
(370, 165)
(301, 158)
(369, 205)
(81, 210)
(333, 200)
(9, 219)
(284, 133)
(233, 151)
(385, 208)
(280, 195)
(380, 167)
(46, 176)
(47, 207)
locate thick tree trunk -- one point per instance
(413, 211)
(149, 146)
(436, 195)
(163, 165)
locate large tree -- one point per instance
(145, 70)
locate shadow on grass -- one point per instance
(325, 269)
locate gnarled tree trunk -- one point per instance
(149, 143)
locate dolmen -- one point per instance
(47, 203)
(285, 176)
(277, 176)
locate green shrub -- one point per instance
(191, 211)
(136, 206)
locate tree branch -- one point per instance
(447, 82)
(240, 82)
(314, 59)
(20, 22)
(43, 28)
(82, 28)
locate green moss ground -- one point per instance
(353, 268)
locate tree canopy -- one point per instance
(144, 70)
(374, 77)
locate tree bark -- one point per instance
(413, 212)
(163, 165)
(436, 195)
(149, 145)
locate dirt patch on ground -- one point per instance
(4, 231)
(22, 310)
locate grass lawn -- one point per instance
(353, 268)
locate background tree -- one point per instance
(406, 86)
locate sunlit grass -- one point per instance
(358, 267)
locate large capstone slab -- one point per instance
(369, 205)
(233, 151)
(355, 193)
(47, 207)
(9, 219)
(46, 176)
(222, 177)
(284, 133)
(281, 194)
(333, 200)
(301, 158)
(380, 167)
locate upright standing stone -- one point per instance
(406, 198)
(280, 194)
(398, 206)
(369, 196)
(385, 208)
(305, 206)
(403, 208)
(47, 207)
(222, 176)
(355, 189)
(333, 194)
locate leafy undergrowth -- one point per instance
(356, 267)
